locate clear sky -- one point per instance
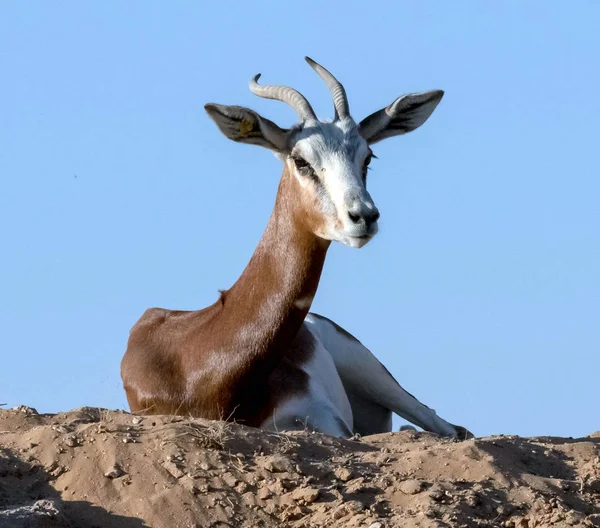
(481, 293)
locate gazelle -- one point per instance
(256, 355)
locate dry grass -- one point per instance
(287, 444)
(104, 415)
(211, 435)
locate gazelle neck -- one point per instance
(274, 293)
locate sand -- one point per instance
(109, 469)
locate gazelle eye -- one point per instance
(366, 164)
(301, 164)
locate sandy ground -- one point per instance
(107, 469)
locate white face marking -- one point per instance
(336, 154)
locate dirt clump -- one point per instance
(109, 469)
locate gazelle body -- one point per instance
(257, 356)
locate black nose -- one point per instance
(368, 217)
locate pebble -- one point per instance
(308, 495)
(172, 468)
(411, 487)
(276, 464)
(344, 474)
(114, 473)
(436, 493)
(72, 441)
(230, 479)
(593, 484)
(264, 494)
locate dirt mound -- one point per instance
(97, 468)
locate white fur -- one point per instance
(324, 407)
(349, 389)
(362, 373)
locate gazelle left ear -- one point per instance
(405, 114)
(247, 126)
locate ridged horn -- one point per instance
(338, 94)
(285, 94)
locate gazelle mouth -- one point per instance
(356, 241)
(362, 238)
(370, 232)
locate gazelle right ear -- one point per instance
(405, 114)
(246, 126)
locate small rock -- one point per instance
(137, 420)
(230, 479)
(29, 411)
(593, 484)
(376, 525)
(574, 517)
(241, 487)
(289, 484)
(41, 513)
(172, 468)
(411, 487)
(189, 484)
(472, 499)
(114, 473)
(436, 493)
(339, 512)
(60, 429)
(307, 495)
(593, 519)
(58, 471)
(72, 441)
(344, 474)
(277, 487)
(264, 493)
(354, 507)
(276, 464)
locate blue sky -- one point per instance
(481, 293)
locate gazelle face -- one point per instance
(330, 162)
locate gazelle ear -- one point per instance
(246, 126)
(405, 114)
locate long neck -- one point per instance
(273, 295)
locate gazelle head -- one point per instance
(327, 160)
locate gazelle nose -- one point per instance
(368, 217)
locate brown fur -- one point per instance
(221, 362)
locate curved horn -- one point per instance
(285, 94)
(340, 100)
